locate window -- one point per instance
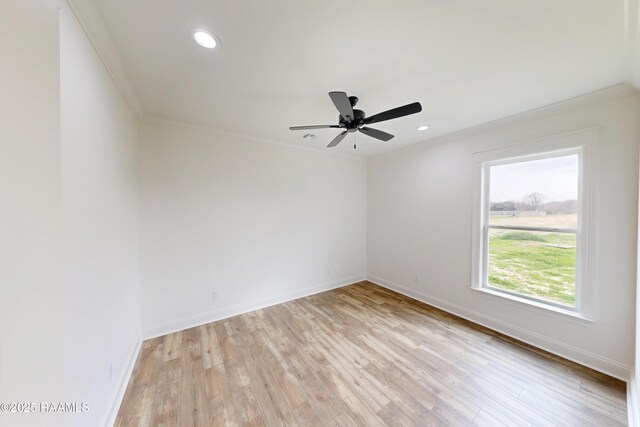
(531, 234)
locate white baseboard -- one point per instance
(591, 360)
(123, 381)
(164, 328)
(632, 401)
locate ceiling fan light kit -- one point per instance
(352, 120)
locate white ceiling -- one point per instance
(467, 61)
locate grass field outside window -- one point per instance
(532, 263)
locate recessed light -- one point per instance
(205, 39)
(423, 127)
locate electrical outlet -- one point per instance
(215, 295)
(416, 279)
(110, 371)
(328, 272)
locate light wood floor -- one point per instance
(360, 355)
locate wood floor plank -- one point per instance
(360, 355)
(221, 407)
(393, 416)
(247, 407)
(269, 394)
(211, 354)
(484, 419)
(415, 407)
(172, 346)
(138, 402)
(193, 393)
(322, 401)
(355, 406)
(166, 409)
(225, 342)
(139, 405)
(307, 416)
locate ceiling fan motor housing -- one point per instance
(358, 119)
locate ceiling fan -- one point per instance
(356, 121)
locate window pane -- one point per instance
(536, 264)
(536, 193)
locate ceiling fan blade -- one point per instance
(375, 133)
(313, 127)
(405, 110)
(342, 103)
(337, 139)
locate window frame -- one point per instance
(579, 143)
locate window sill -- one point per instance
(539, 307)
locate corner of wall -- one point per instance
(632, 401)
(88, 13)
(632, 41)
(123, 381)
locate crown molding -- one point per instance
(632, 41)
(603, 95)
(92, 22)
(157, 120)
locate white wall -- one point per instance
(420, 219)
(30, 273)
(100, 224)
(633, 398)
(254, 221)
